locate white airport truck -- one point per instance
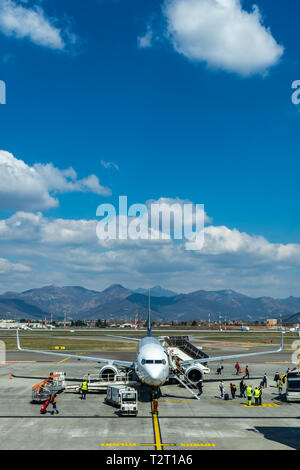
(124, 398)
(293, 386)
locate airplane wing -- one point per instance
(137, 340)
(87, 358)
(233, 356)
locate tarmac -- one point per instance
(183, 423)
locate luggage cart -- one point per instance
(54, 383)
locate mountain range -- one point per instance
(117, 302)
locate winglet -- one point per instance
(18, 340)
(281, 343)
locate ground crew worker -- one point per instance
(283, 378)
(84, 389)
(53, 402)
(280, 385)
(256, 396)
(237, 368)
(249, 393)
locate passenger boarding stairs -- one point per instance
(180, 348)
(182, 345)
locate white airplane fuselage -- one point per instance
(152, 364)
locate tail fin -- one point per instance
(149, 319)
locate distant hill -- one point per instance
(17, 309)
(292, 318)
(157, 291)
(118, 302)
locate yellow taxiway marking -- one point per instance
(51, 365)
(173, 444)
(264, 405)
(196, 445)
(236, 403)
(118, 444)
(158, 443)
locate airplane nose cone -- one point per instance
(156, 375)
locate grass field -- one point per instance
(48, 344)
(90, 340)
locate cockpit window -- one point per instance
(153, 361)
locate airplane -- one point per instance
(152, 362)
(245, 328)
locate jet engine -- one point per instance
(194, 373)
(108, 372)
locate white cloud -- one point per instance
(146, 39)
(222, 34)
(6, 267)
(67, 251)
(31, 188)
(21, 21)
(110, 165)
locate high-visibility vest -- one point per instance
(249, 392)
(256, 393)
(84, 386)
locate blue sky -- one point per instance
(179, 116)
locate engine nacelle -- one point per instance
(108, 372)
(194, 373)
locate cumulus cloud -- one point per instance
(33, 188)
(6, 267)
(221, 34)
(72, 254)
(21, 21)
